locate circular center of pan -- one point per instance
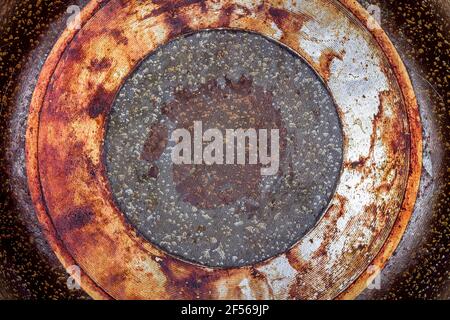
(184, 189)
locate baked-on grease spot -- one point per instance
(74, 219)
(100, 103)
(98, 65)
(153, 172)
(177, 24)
(169, 6)
(156, 143)
(238, 104)
(119, 37)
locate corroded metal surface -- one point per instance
(364, 221)
(223, 215)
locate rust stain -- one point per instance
(392, 134)
(289, 23)
(334, 213)
(192, 282)
(325, 60)
(415, 147)
(116, 278)
(76, 54)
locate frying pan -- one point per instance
(36, 260)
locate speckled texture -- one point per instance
(224, 215)
(420, 267)
(28, 267)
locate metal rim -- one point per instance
(255, 278)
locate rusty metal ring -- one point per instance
(365, 219)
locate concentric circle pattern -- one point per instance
(358, 230)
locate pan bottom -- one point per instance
(230, 214)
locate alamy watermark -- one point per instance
(374, 20)
(74, 279)
(374, 282)
(237, 146)
(74, 20)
